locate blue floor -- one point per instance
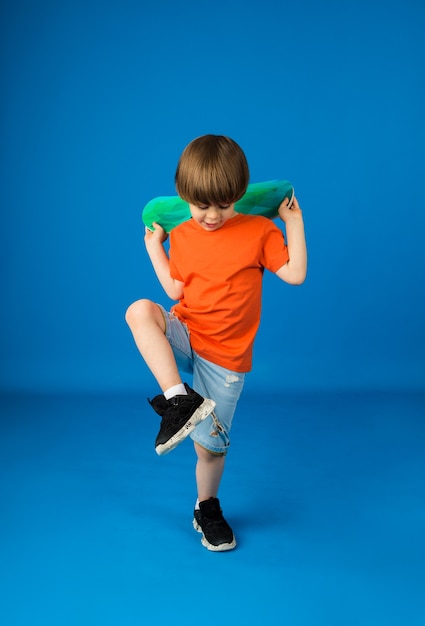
(328, 511)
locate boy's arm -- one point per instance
(161, 264)
(295, 270)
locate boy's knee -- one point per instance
(144, 312)
(138, 310)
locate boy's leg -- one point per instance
(181, 408)
(208, 517)
(147, 324)
(211, 438)
(209, 470)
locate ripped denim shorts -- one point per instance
(211, 381)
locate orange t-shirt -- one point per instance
(222, 272)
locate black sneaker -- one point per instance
(179, 415)
(216, 532)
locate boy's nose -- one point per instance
(213, 212)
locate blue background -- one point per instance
(99, 99)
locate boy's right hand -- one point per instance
(155, 236)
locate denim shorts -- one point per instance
(211, 381)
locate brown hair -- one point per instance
(212, 169)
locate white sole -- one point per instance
(201, 413)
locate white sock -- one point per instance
(197, 504)
(177, 390)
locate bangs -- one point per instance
(213, 187)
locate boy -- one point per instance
(214, 271)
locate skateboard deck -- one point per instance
(260, 199)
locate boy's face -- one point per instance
(212, 216)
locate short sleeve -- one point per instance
(174, 256)
(274, 248)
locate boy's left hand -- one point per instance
(287, 213)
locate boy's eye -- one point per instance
(223, 206)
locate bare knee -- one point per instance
(137, 310)
(143, 311)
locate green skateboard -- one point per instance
(259, 199)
